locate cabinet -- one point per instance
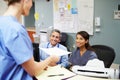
(30, 33)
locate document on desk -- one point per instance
(55, 73)
(60, 73)
(55, 51)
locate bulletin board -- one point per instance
(72, 16)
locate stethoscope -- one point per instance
(57, 46)
(49, 43)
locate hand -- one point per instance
(52, 64)
(45, 68)
(54, 59)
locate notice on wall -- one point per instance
(72, 16)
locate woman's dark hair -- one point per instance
(12, 1)
(86, 36)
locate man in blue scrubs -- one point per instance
(54, 42)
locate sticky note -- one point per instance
(36, 16)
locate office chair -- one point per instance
(36, 51)
(63, 40)
(105, 53)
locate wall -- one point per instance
(45, 10)
(110, 27)
(3, 7)
(29, 20)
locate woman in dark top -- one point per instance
(83, 52)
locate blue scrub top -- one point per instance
(77, 59)
(15, 49)
(63, 59)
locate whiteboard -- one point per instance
(72, 16)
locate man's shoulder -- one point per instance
(62, 47)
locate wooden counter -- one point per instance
(31, 31)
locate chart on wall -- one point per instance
(72, 16)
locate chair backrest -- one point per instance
(36, 51)
(105, 53)
(63, 40)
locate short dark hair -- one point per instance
(56, 30)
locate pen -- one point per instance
(56, 75)
(68, 77)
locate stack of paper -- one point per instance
(55, 51)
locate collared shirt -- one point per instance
(77, 59)
(63, 60)
(15, 49)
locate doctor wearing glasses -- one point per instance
(54, 42)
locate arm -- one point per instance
(35, 68)
(64, 60)
(70, 60)
(42, 54)
(93, 55)
(72, 57)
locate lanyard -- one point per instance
(49, 43)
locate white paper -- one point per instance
(91, 71)
(55, 51)
(96, 63)
(52, 71)
(96, 72)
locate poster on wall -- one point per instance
(72, 16)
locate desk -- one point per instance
(60, 70)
